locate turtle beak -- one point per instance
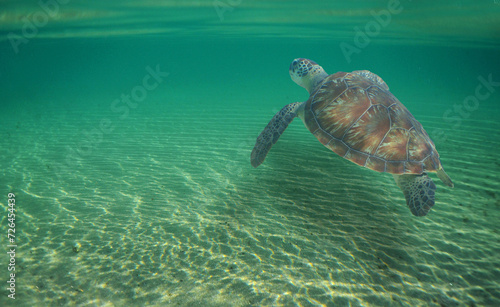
(295, 64)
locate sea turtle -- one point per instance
(357, 117)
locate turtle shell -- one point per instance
(357, 117)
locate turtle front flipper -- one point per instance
(270, 135)
(419, 192)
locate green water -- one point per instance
(151, 200)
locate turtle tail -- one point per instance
(444, 177)
(270, 135)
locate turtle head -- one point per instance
(307, 73)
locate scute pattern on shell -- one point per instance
(356, 116)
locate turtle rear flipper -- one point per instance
(419, 192)
(270, 135)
